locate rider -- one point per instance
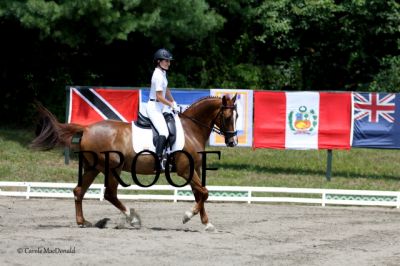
(160, 97)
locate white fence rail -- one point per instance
(216, 193)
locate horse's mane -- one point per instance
(201, 100)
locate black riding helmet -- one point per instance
(162, 54)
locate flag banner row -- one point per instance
(267, 119)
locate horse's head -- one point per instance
(214, 114)
(227, 120)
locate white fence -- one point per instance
(216, 193)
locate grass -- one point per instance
(364, 169)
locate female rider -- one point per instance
(160, 97)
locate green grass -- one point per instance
(355, 169)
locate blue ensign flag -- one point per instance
(376, 120)
(183, 97)
(187, 97)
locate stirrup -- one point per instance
(163, 163)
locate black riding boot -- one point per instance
(160, 145)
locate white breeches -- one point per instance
(154, 112)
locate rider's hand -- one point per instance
(175, 107)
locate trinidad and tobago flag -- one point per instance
(90, 105)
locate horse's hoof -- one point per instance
(134, 219)
(186, 218)
(136, 222)
(209, 228)
(85, 224)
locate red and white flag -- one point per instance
(90, 105)
(302, 120)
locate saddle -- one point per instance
(145, 122)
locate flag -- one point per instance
(302, 120)
(376, 120)
(90, 105)
(183, 97)
(244, 122)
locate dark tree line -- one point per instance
(253, 44)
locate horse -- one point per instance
(198, 121)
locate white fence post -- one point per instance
(175, 195)
(398, 200)
(28, 190)
(101, 196)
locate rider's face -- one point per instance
(165, 64)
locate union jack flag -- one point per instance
(374, 106)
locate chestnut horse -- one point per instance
(198, 120)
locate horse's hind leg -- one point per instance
(79, 193)
(110, 194)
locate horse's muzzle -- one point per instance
(231, 142)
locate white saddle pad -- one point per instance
(142, 138)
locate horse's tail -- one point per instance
(51, 133)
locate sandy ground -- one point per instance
(255, 234)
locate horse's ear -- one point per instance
(224, 101)
(234, 98)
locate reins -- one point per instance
(214, 128)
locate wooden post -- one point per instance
(66, 149)
(66, 155)
(329, 165)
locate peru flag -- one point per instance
(302, 120)
(90, 105)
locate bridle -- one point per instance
(220, 131)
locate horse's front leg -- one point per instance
(201, 195)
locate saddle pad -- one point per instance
(142, 138)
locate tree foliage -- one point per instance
(252, 44)
(74, 22)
